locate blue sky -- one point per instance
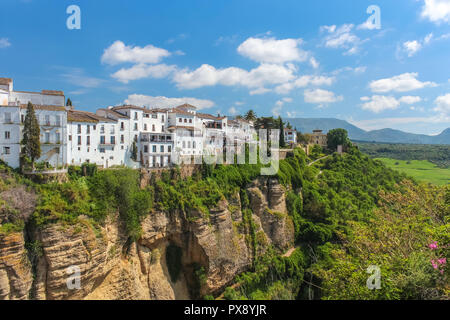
(289, 58)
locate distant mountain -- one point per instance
(307, 125)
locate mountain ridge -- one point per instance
(387, 135)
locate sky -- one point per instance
(386, 66)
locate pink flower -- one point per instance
(433, 245)
(442, 261)
(435, 266)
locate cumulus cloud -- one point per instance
(165, 102)
(140, 71)
(410, 99)
(436, 11)
(257, 78)
(314, 63)
(443, 105)
(276, 111)
(4, 43)
(412, 47)
(271, 50)
(118, 53)
(320, 96)
(342, 38)
(401, 83)
(378, 103)
(304, 81)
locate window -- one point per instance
(154, 116)
(88, 140)
(145, 149)
(184, 144)
(169, 148)
(162, 128)
(7, 135)
(162, 118)
(102, 150)
(180, 120)
(102, 139)
(6, 150)
(113, 140)
(58, 121)
(70, 137)
(122, 138)
(102, 129)
(47, 137)
(79, 129)
(47, 119)
(145, 127)
(190, 120)
(135, 116)
(161, 148)
(122, 126)
(154, 148)
(58, 137)
(189, 144)
(185, 120)
(95, 127)
(153, 127)
(7, 117)
(135, 127)
(22, 118)
(79, 140)
(88, 129)
(193, 144)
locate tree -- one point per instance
(250, 115)
(281, 127)
(134, 151)
(31, 145)
(337, 137)
(69, 102)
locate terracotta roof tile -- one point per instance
(5, 81)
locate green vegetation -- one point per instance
(421, 170)
(31, 145)
(337, 137)
(437, 154)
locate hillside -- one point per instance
(225, 231)
(384, 135)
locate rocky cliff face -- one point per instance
(221, 245)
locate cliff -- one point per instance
(209, 251)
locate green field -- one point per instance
(421, 170)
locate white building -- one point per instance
(51, 115)
(290, 136)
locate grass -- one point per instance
(421, 170)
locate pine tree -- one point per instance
(134, 151)
(280, 123)
(69, 102)
(31, 145)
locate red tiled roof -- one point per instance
(53, 92)
(209, 116)
(5, 81)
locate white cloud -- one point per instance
(412, 47)
(305, 81)
(410, 99)
(140, 71)
(443, 105)
(314, 63)
(259, 91)
(377, 104)
(118, 53)
(4, 43)
(276, 111)
(271, 50)
(342, 38)
(401, 83)
(257, 78)
(165, 102)
(436, 11)
(320, 96)
(233, 111)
